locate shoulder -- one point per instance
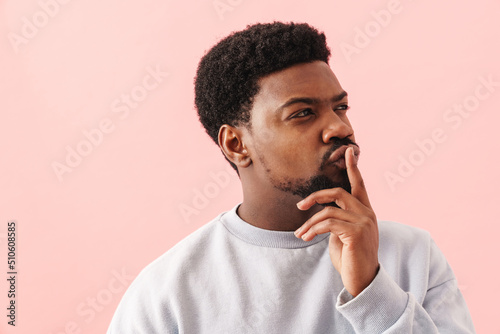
(404, 250)
(402, 236)
(183, 255)
(149, 304)
(403, 243)
(168, 271)
(408, 251)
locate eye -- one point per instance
(343, 107)
(303, 113)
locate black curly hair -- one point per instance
(227, 76)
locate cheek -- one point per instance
(288, 150)
(288, 157)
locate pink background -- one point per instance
(119, 207)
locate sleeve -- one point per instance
(143, 310)
(383, 307)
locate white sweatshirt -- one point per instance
(231, 277)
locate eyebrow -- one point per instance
(309, 100)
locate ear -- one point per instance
(231, 144)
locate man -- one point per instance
(303, 252)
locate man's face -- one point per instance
(298, 120)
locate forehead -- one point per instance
(314, 80)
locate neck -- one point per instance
(273, 209)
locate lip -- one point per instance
(338, 156)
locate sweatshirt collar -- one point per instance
(262, 237)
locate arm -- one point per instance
(383, 307)
(371, 300)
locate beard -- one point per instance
(320, 181)
(304, 188)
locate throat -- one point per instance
(278, 215)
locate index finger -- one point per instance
(358, 188)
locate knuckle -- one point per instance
(330, 210)
(366, 220)
(306, 225)
(336, 191)
(370, 215)
(312, 229)
(341, 191)
(330, 221)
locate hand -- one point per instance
(353, 244)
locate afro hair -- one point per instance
(227, 76)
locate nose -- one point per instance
(336, 126)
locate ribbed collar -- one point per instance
(262, 237)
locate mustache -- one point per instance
(337, 143)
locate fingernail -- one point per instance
(300, 203)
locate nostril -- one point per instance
(337, 132)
